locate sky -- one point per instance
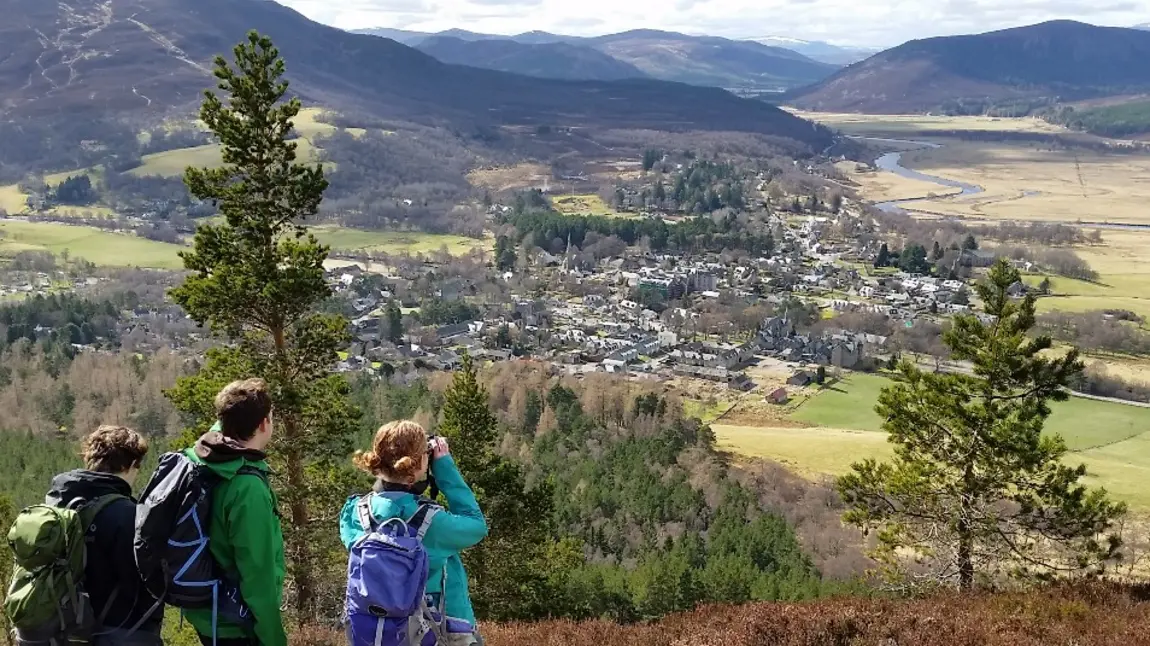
(867, 23)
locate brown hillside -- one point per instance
(1086, 615)
(1096, 615)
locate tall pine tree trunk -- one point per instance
(965, 531)
(297, 486)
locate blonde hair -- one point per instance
(396, 452)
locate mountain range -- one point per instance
(91, 58)
(820, 51)
(545, 60)
(669, 56)
(1047, 62)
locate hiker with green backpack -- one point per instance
(75, 577)
(246, 539)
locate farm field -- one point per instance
(921, 124)
(122, 250)
(396, 241)
(506, 178)
(586, 205)
(1112, 438)
(96, 246)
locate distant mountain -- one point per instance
(1061, 59)
(670, 56)
(1144, 26)
(90, 59)
(818, 50)
(706, 60)
(398, 35)
(555, 60)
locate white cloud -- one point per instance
(859, 22)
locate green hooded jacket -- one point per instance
(246, 539)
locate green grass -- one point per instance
(1126, 292)
(1113, 440)
(395, 241)
(1083, 423)
(586, 205)
(703, 411)
(846, 404)
(99, 247)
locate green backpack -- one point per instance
(46, 602)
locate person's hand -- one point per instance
(439, 448)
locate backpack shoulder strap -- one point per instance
(91, 509)
(367, 519)
(421, 519)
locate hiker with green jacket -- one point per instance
(245, 534)
(400, 459)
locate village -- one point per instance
(666, 316)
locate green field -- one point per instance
(1126, 292)
(586, 205)
(396, 241)
(1112, 439)
(94, 245)
(122, 250)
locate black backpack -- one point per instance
(172, 547)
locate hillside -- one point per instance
(1053, 60)
(670, 56)
(72, 73)
(1093, 614)
(701, 60)
(544, 60)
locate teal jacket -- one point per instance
(246, 538)
(452, 531)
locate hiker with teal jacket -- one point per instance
(399, 460)
(245, 535)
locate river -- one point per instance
(892, 162)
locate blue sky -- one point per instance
(873, 23)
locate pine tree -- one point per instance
(257, 279)
(975, 487)
(883, 258)
(505, 255)
(394, 323)
(508, 570)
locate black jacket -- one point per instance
(111, 560)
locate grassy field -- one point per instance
(396, 241)
(120, 250)
(1112, 439)
(99, 247)
(586, 205)
(921, 124)
(507, 178)
(814, 452)
(1023, 182)
(12, 199)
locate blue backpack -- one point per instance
(387, 571)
